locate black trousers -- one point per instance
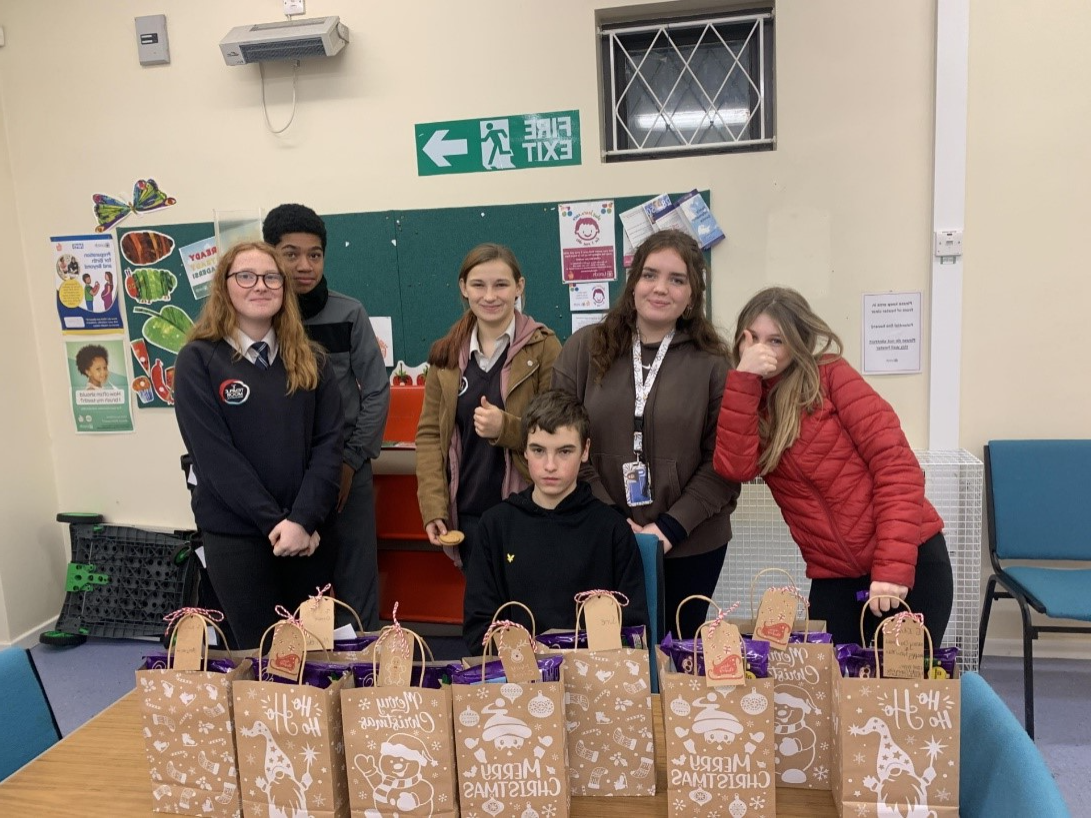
(467, 524)
(250, 582)
(684, 576)
(932, 595)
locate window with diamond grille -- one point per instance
(681, 87)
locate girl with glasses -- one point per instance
(261, 416)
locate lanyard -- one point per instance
(644, 387)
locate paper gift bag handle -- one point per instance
(209, 616)
(392, 630)
(759, 575)
(336, 601)
(678, 612)
(491, 638)
(882, 629)
(581, 602)
(864, 610)
(291, 622)
(794, 588)
(530, 613)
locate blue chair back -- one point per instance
(1038, 503)
(651, 553)
(1002, 772)
(29, 726)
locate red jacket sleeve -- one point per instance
(898, 480)
(737, 445)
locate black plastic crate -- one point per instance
(122, 581)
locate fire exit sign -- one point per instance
(515, 142)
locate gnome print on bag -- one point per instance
(795, 744)
(899, 791)
(286, 793)
(397, 782)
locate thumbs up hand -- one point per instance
(488, 420)
(756, 358)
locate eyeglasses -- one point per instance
(247, 279)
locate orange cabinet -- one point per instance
(412, 572)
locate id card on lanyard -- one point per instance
(636, 475)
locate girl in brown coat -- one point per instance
(481, 375)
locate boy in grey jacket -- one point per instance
(340, 324)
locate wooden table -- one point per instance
(100, 771)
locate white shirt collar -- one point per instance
(243, 343)
(502, 342)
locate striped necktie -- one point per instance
(262, 349)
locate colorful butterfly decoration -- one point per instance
(146, 196)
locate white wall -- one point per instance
(843, 205)
(32, 553)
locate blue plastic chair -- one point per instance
(651, 553)
(29, 726)
(1002, 772)
(1038, 509)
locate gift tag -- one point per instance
(724, 664)
(602, 618)
(316, 615)
(285, 657)
(395, 657)
(189, 643)
(903, 648)
(776, 615)
(517, 655)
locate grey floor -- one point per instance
(80, 682)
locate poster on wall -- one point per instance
(199, 260)
(891, 329)
(99, 384)
(383, 326)
(589, 297)
(161, 276)
(86, 278)
(587, 241)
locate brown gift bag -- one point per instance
(289, 736)
(608, 706)
(399, 742)
(719, 735)
(186, 714)
(897, 739)
(802, 688)
(509, 737)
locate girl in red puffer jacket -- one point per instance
(836, 461)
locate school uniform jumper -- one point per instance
(260, 456)
(544, 557)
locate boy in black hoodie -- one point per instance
(553, 540)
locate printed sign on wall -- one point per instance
(513, 142)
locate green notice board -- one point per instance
(398, 263)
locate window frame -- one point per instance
(758, 67)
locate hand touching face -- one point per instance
(762, 350)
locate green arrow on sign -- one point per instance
(514, 142)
